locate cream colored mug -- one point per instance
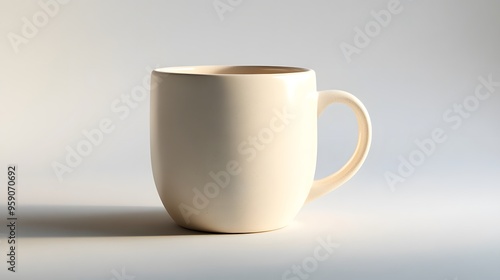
(233, 148)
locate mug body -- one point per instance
(233, 148)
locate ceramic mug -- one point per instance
(233, 148)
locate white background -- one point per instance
(104, 220)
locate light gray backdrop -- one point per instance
(425, 205)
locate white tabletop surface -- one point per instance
(421, 231)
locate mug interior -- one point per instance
(231, 70)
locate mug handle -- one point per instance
(335, 180)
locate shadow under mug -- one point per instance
(234, 148)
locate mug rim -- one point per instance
(232, 70)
